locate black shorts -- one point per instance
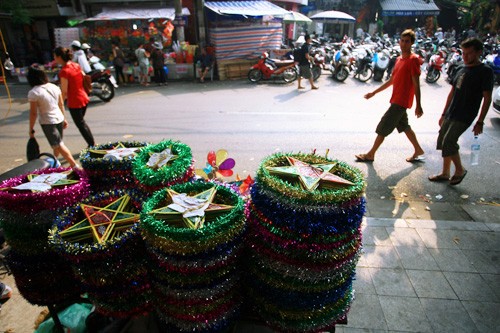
(394, 118)
(54, 134)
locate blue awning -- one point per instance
(245, 8)
(408, 7)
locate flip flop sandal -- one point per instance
(455, 180)
(363, 158)
(413, 159)
(439, 178)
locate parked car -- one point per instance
(496, 100)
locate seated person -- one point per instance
(206, 61)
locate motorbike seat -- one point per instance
(281, 63)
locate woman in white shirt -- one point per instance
(46, 102)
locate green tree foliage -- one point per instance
(15, 8)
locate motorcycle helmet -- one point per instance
(85, 46)
(76, 43)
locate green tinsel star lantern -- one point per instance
(311, 176)
(190, 211)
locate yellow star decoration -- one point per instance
(190, 211)
(102, 223)
(119, 152)
(311, 176)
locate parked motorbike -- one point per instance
(381, 60)
(454, 62)
(436, 63)
(103, 83)
(493, 60)
(364, 70)
(318, 64)
(395, 52)
(340, 65)
(268, 68)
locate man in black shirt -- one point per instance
(305, 65)
(472, 84)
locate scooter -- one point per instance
(103, 83)
(268, 68)
(493, 60)
(364, 69)
(340, 67)
(436, 63)
(454, 62)
(395, 53)
(381, 60)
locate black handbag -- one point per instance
(32, 149)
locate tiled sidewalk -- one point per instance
(427, 276)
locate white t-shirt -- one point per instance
(80, 57)
(46, 97)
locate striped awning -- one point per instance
(245, 8)
(136, 13)
(408, 7)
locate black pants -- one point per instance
(160, 75)
(119, 73)
(77, 115)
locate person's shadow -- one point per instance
(283, 98)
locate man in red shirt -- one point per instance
(406, 85)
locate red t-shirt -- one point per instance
(77, 97)
(403, 90)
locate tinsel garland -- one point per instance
(305, 321)
(301, 196)
(308, 219)
(196, 271)
(114, 273)
(303, 246)
(43, 279)
(178, 170)
(28, 202)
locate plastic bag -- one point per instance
(72, 318)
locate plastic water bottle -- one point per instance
(474, 151)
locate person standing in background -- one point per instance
(118, 62)
(71, 77)
(158, 60)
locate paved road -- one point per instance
(252, 121)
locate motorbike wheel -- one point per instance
(316, 72)
(432, 75)
(254, 75)
(365, 74)
(107, 91)
(341, 74)
(290, 75)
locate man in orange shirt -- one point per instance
(405, 82)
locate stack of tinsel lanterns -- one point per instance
(42, 276)
(304, 241)
(110, 259)
(195, 267)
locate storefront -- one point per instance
(241, 31)
(133, 27)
